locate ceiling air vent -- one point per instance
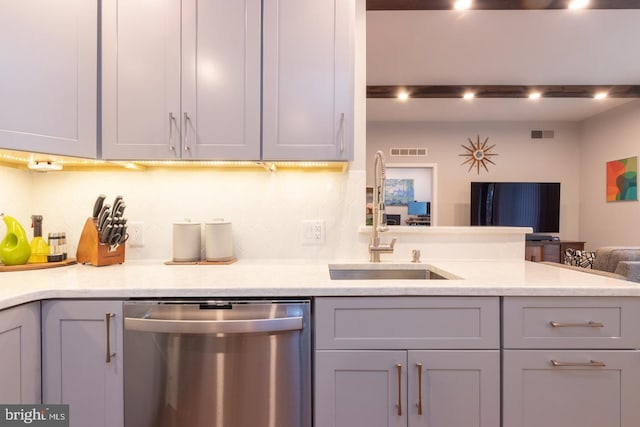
(408, 152)
(542, 134)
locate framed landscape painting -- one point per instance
(622, 179)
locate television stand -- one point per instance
(543, 250)
(419, 220)
(533, 237)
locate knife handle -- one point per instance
(97, 206)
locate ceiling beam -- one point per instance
(497, 4)
(504, 91)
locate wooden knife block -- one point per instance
(91, 251)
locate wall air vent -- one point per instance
(542, 134)
(408, 152)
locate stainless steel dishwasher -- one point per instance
(222, 363)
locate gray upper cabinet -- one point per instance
(227, 80)
(48, 82)
(20, 354)
(308, 79)
(82, 360)
(186, 85)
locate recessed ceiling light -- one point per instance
(462, 4)
(578, 4)
(535, 95)
(403, 96)
(469, 95)
(600, 95)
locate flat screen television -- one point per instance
(517, 204)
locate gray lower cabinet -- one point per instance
(20, 354)
(374, 367)
(571, 362)
(571, 388)
(82, 360)
(437, 388)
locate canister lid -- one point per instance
(218, 221)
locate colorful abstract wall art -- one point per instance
(622, 179)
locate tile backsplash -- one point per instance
(266, 209)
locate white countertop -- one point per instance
(284, 278)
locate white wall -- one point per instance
(266, 209)
(15, 197)
(520, 158)
(610, 136)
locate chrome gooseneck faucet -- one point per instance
(378, 226)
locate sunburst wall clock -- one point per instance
(478, 154)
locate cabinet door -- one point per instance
(20, 354)
(75, 342)
(591, 389)
(48, 77)
(360, 388)
(141, 116)
(308, 79)
(221, 79)
(454, 388)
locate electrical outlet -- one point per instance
(313, 232)
(135, 229)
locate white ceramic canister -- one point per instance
(187, 245)
(218, 240)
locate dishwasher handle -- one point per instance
(213, 326)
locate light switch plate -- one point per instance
(135, 229)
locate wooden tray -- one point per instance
(231, 261)
(38, 266)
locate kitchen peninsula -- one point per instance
(458, 319)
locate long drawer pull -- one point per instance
(590, 324)
(399, 404)
(107, 318)
(172, 120)
(589, 364)
(419, 404)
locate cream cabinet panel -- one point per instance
(77, 337)
(184, 86)
(48, 77)
(20, 354)
(308, 74)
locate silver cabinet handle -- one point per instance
(172, 120)
(399, 404)
(589, 364)
(341, 133)
(213, 326)
(107, 318)
(419, 404)
(187, 147)
(589, 324)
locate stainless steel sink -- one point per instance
(356, 273)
